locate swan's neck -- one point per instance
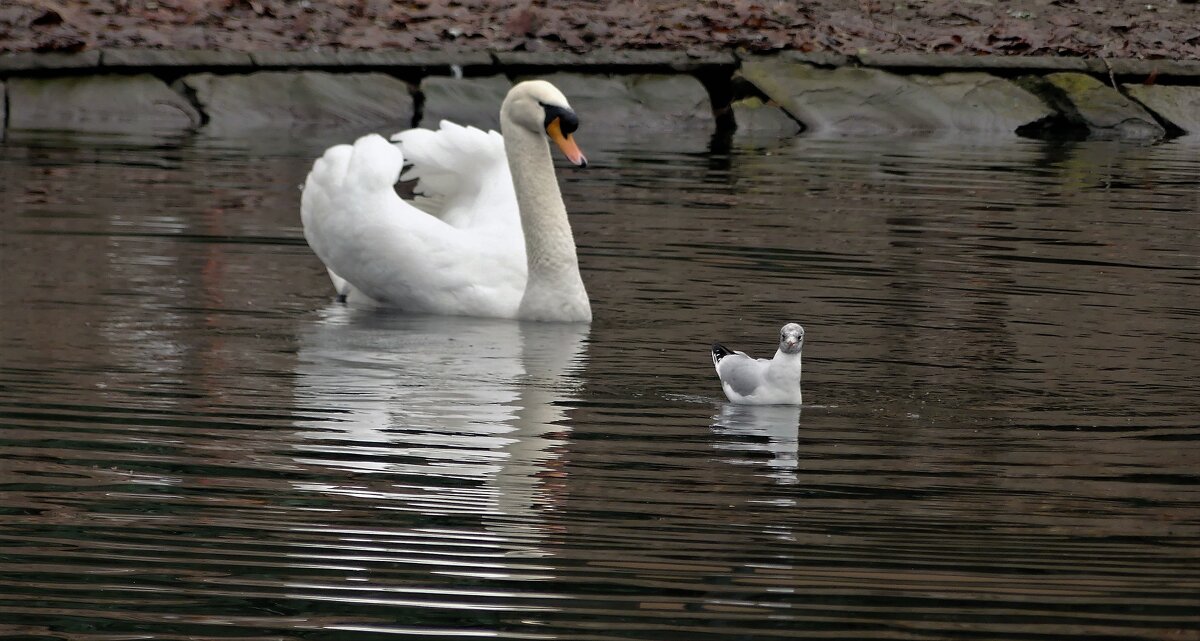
(554, 290)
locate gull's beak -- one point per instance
(566, 144)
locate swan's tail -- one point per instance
(342, 181)
(369, 166)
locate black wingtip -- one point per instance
(341, 298)
(719, 351)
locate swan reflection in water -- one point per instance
(770, 429)
(438, 415)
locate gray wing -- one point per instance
(741, 373)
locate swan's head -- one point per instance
(791, 339)
(539, 106)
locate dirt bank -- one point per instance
(1145, 29)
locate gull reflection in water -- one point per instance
(438, 415)
(758, 429)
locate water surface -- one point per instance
(197, 442)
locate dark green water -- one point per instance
(196, 442)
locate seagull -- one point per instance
(758, 381)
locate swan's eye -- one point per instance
(568, 122)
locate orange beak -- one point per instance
(566, 144)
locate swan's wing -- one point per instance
(393, 252)
(345, 185)
(462, 175)
(738, 371)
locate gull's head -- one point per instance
(791, 339)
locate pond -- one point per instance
(999, 439)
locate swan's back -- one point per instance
(462, 262)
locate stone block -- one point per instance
(608, 58)
(853, 101)
(976, 101)
(940, 62)
(647, 102)
(30, 61)
(817, 58)
(1105, 112)
(844, 100)
(283, 100)
(1177, 104)
(465, 101)
(757, 118)
(103, 103)
(379, 59)
(143, 58)
(1136, 68)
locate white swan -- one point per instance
(486, 235)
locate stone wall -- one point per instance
(230, 93)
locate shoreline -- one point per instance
(779, 94)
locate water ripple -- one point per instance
(196, 443)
